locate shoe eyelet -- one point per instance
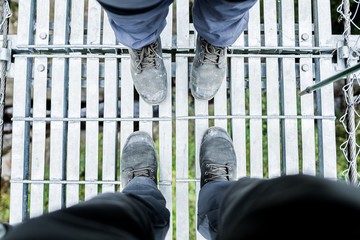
(206, 180)
(206, 173)
(152, 170)
(207, 165)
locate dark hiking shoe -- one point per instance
(138, 158)
(208, 70)
(149, 73)
(217, 156)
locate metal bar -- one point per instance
(58, 130)
(238, 125)
(94, 23)
(125, 119)
(38, 138)
(237, 107)
(182, 26)
(307, 102)
(21, 133)
(77, 182)
(92, 100)
(329, 56)
(76, 24)
(42, 22)
(182, 149)
(325, 95)
(255, 98)
(119, 46)
(66, 182)
(201, 125)
(5, 14)
(110, 129)
(332, 79)
(92, 128)
(127, 102)
(165, 144)
(74, 110)
(74, 131)
(146, 111)
(272, 90)
(288, 90)
(220, 105)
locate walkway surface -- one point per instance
(74, 76)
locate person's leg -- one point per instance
(305, 205)
(138, 170)
(137, 23)
(145, 189)
(209, 202)
(107, 216)
(221, 22)
(218, 171)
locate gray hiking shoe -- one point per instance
(208, 70)
(149, 73)
(138, 158)
(217, 156)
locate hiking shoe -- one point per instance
(149, 73)
(138, 158)
(217, 156)
(208, 70)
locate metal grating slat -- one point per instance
(182, 149)
(306, 79)
(325, 96)
(288, 90)
(272, 90)
(255, 96)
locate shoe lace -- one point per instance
(141, 172)
(217, 171)
(147, 56)
(211, 53)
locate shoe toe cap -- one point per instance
(205, 81)
(155, 98)
(152, 86)
(202, 93)
(139, 137)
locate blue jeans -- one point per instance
(138, 23)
